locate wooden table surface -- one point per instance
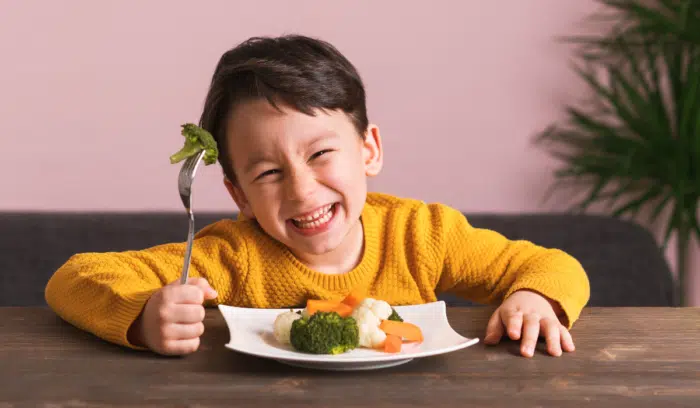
(647, 357)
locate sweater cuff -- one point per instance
(124, 314)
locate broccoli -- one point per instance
(395, 316)
(325, 333)
(196, 140)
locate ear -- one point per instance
(372, 153)
(239, 197)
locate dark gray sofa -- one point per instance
(624, 265)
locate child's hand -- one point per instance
(526, 314)
(171, 321)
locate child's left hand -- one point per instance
(525, 315)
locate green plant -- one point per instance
(636, 144)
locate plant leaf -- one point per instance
(646, 122)
(636, 204)
(659, 207)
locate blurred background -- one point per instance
(93, 94)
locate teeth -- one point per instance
(313, 222)
(315, 215)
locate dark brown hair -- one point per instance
(301, 72)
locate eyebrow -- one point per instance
(323, 136)
(253, 160)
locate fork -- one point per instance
(184, 184)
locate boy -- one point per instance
(296, 148)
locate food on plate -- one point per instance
(324, 333)
(196, 140)
(392, 344)
(354, 298)
(404, 330)
(283, 326)
(394, 316)
(313, 306)
(334, 327)
(369, 314)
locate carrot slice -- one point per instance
(354, 298)
(343, 310)
(404, 330)
(317, 305)
(392, 344)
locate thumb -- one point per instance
(203, 284)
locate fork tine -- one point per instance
(188, 170)
(192, 164)
(195, 163)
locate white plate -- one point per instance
(251, 333)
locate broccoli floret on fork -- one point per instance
(196, 140)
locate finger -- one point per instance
(177, 331)
(550, 330)
(180, 313)
(202, 283)
(494, 329)
(180, 294)
(567, 342)
(514, 323)
(531, 329)
(179, 347)
(187, 313)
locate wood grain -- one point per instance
(632, 357)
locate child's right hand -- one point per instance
(172, 320)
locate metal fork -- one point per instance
(184, 184)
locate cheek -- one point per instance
(338, 176)
(343, 175)
(335, 178)
(264, 200)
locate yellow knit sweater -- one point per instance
(412, 251)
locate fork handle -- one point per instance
(188, 251)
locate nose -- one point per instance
(300, 185)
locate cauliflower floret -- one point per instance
(381, 309)
(371, 336)
(283, 326)
(366, 302)
(369, 315)
(366, 315)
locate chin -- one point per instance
(320, 249)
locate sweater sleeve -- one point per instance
(103, 293)
(485, 266)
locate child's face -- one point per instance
(304, 178)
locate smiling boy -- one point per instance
(296, 148)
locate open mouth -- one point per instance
(318, 219)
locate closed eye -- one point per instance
(320, 153)
(268, 173)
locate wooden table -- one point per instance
(625, 356)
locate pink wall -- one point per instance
(93, 94)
